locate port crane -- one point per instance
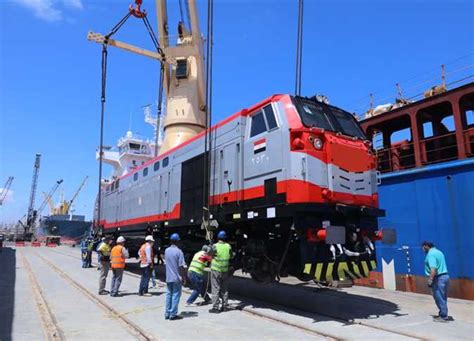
(5, 189)
(31, 214)
(47, 196)
(64, 205)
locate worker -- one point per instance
(99, 261)
(438, 279)
(90, 247)
(221, 255)
(175, 277)
(104, 252)
(146, 265)
(196, 275)
(118, 255)
(84, 244)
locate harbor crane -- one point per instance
(5, 189)
(47, 197)
(65, 206)
(32, 213)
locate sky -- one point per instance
(50, 74)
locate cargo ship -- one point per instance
(61, 221)
(425, 155)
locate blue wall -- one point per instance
(434, 203)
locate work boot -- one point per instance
(214, 311)
(177, 317)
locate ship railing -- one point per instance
(397, 157)
(439, 148)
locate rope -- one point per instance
(299, 49)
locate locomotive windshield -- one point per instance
(328, 117)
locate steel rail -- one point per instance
(51, 329)
(131, 326)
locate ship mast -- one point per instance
(183, 78)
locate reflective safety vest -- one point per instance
(197, 265)
(220, 261)
(117, 260)
(142, 254)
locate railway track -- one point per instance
(51, 327)
(260, 314)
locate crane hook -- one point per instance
(137, 12)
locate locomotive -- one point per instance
(293, 183)
(292, 180)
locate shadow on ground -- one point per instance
(7, 292)
(301, 299)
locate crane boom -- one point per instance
(48, 196)
(66, 205)
(5, 189)
(31, 215)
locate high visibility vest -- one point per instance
(220, 261)
(117, 260)
(142, 254)
(197, 265)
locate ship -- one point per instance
(61, 221)
(425, 153)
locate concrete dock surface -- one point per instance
(46, 295)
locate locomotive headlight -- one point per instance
(318, 143)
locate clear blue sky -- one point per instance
(50, 74)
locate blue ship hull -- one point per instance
(434, 203)
(72, 227)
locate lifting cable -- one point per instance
(113, 31)
(207, 138)
(299, 49)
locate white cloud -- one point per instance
(8, 197)
(50, 10)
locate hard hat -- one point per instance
(221, 235)
(149, 238)
(175, 237)
(120, 240)
(206, 248)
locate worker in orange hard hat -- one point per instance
(118, 255)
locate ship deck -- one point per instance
(47, 295)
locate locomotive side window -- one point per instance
(145, 171)
(156, 166)
(270, 116)
(135, 177)
(166, 161)
(258, 124)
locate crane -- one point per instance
(5, 189)
(31, 214)
(65, 205)
(183, 67)
(48, 196)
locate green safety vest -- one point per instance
(197, 266)
(220, 261)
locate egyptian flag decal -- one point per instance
(259, 146)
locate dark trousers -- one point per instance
(146, 272)
(196, 282)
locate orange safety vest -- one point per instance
(142, 254)
(117, 260)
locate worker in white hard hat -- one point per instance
(146, 264)
(118, 255)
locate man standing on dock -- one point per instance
(104, 252)
(175, 275)
(221, 255)
(118, 255)
(438, 279)
(146, 265)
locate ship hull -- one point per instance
(432, 203)
(70, 227)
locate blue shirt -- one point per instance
(174, 259)
(435, 260)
